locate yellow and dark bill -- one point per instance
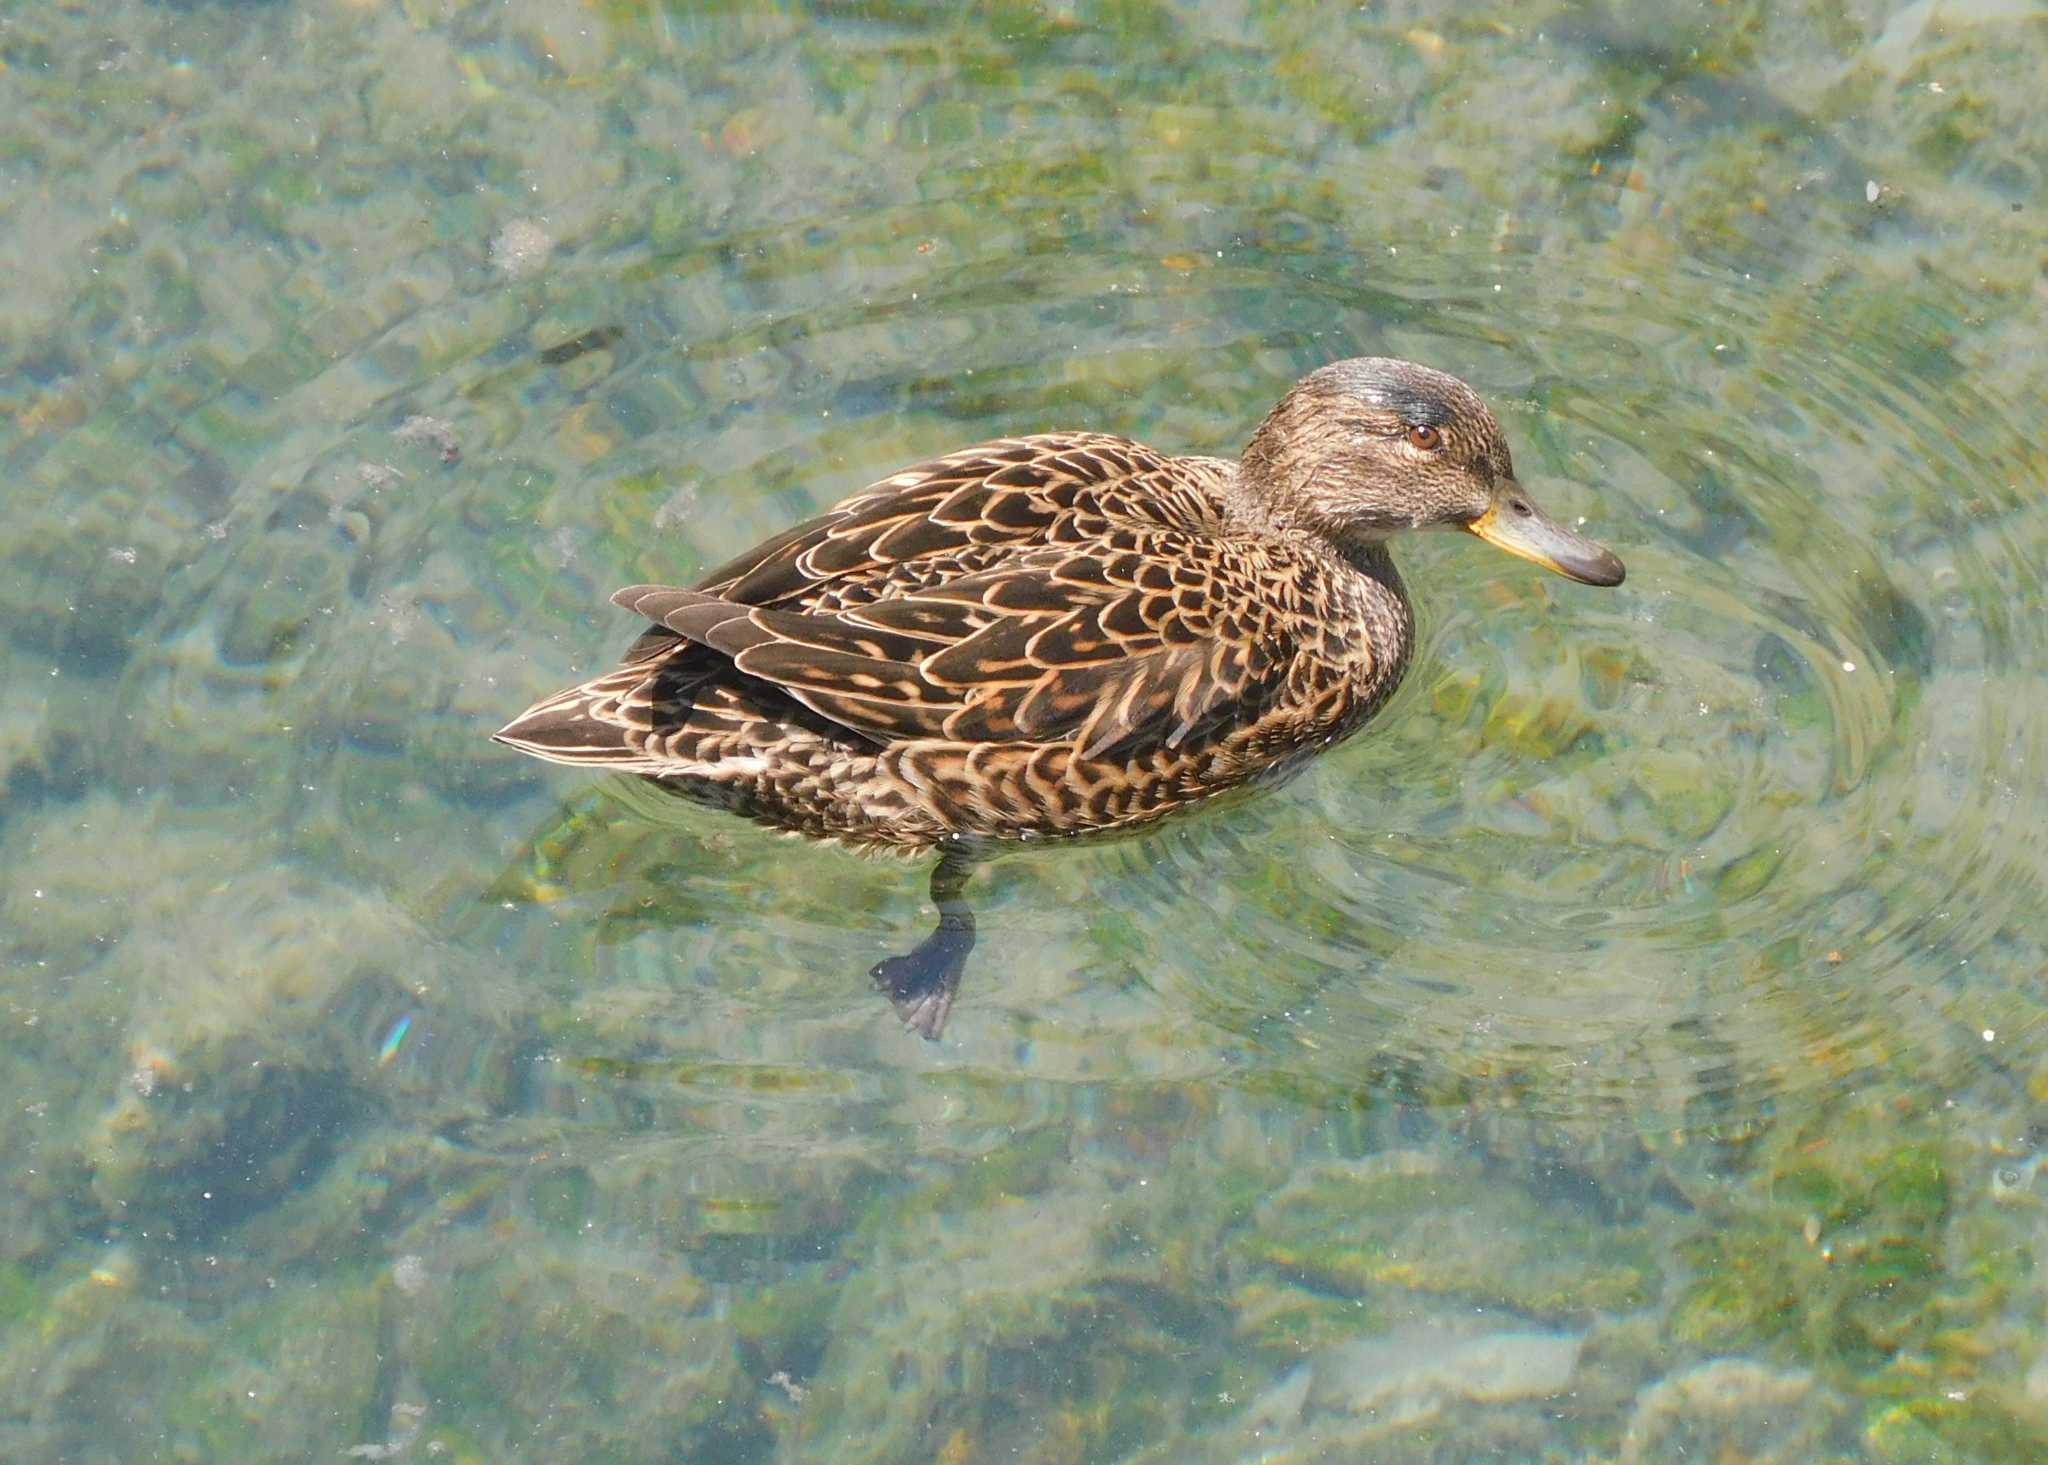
(1514, 523)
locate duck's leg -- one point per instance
(921, 983)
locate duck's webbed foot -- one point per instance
(921, 983)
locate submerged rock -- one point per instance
(1412, 1374)
(1732, 1409)
(1408, 1224)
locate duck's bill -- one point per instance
(1534, 535)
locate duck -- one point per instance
(1056, 635)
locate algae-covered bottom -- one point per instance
(1631, 1048)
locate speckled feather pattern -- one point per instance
(1041, 635)
(1048, 635)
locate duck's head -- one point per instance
(1360, 449)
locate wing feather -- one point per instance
(1055, 646)
(1065, 588)
(1012, 492)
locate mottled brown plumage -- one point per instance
(1058, 634)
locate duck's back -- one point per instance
(1094, 672)
(969, 511)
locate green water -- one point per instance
(1633, 1047)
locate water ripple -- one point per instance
(1759, 822)
(1755, 823)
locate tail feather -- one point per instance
(571, 727)
(674, 711)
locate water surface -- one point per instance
(1632, 1046)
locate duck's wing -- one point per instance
(929, 525)
(961, 510)
(1149, 634)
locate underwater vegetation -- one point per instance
(1632, 1050)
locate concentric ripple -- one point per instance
(1763, 819)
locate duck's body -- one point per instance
(1035, 636)
(1059, 634)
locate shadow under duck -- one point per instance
(1055, 635)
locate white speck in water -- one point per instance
(1848, 666)
(125, 554)
(521, 248)
(676, 508)
(421, 430)
(1991, 1035)
(1871, 190)
(409, 1274)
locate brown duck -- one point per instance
(1056, 635)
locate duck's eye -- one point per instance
(1425, 437)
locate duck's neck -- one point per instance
(1256, 508)
(1261, 490)
(1247, 507)
(1371, 557)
